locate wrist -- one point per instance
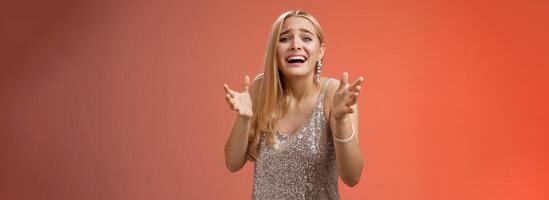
(342, 119)
(342, 126)
(243, 118)
(346, 139)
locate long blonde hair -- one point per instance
(269, 104)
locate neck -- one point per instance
(300, 89)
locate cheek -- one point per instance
(279, 51)
(314, 52)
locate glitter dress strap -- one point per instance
(323, 92)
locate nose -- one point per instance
(296, 45)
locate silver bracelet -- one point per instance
(346, 140)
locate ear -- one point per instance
(322, 50)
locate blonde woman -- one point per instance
(300, 129)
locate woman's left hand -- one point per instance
(345, 97)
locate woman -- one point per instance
(299, 129)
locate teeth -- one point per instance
(296, 58)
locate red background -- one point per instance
(124, 99)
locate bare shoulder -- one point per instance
(256, 84)
(330, 93)
(332, 86)
(258, 77)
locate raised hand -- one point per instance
(345, 97)
(240, 101)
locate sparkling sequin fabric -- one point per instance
(302, 165)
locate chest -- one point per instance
(312, 143)
(295, 118)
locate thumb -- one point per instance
(246, 83)
(344, 81)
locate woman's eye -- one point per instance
(283, 39)
(308, 39)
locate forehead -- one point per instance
(298, 24)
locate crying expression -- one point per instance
(299, 48)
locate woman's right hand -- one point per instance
(240, 101)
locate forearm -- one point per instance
(237, 144)
(348, 157)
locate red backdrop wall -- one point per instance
(124, 99)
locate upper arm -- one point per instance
(329, 99)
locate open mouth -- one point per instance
(296, 59)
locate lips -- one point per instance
(296, 59)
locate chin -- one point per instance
(295, 74)
(296, 71)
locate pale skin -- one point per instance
(341, 108)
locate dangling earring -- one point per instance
(318, 70)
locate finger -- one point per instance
(357, 89)
(232, 102)
(352, 93)
(228, 90)
(246, 83)
(352, 101)
(355, 84)
(352, 96)
(350, 110)
(343, 81)
(228, 98)
(233, 107)
(347, 110)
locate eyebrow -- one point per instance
(301, 29)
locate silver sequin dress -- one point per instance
(303, 166)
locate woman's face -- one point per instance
(299, 48)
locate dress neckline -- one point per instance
(311, 116)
